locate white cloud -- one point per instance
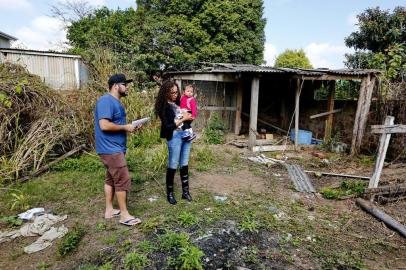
(14, 4)
(43, 33)
(270, 54)
(324, 55)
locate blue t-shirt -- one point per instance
(109, 142)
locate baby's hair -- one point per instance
(189, 85)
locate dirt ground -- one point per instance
(337, 225)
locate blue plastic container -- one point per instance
(304, 136)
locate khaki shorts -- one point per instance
(117, 174)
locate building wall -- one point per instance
(212, 96)
(4, 43)
(59, 72)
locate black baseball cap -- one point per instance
(118, 78)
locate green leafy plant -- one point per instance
(331, 193)
(249, 223)
(11, 221)
(172, 240)
(145, 246)
(19, 201)
(135, 261)
(71, 240)
(190, 258)
(214, 132)
(187, 219)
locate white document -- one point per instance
(141, 121)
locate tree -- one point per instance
(293, 59)
(380, 42)
(175, 34)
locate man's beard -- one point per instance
(123, 94)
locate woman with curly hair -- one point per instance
(167, 109)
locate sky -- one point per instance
(317, 26)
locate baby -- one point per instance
(188, 103)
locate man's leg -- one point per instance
(122, 204)
(109, 194)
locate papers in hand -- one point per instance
(141, 121)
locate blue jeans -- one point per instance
(178, 151)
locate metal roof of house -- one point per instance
(248, 68)
(2, 34)
(36, 52)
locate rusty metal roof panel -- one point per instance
(248, 68)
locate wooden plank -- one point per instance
(325, 113)
(340, 175)
(380, 129)
(271, 148)
(253, 112)
(218, 108)
(216, 77)
(361, 117)
(238, 122)
(329, 77)
(330, 106)
(383, 147)
(388, 220)
(267, 123)
(297, 101)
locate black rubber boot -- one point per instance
(184, 177)
(170, 175)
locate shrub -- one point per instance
(83, 163)
(172, 240)
(214, 132)
(71, 240)
(135, 261)
(187, 219)
(190, 258)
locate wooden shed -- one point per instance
(285, 97)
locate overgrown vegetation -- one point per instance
(213, 133)
(71, 240)
(346, 188)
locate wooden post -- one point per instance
(361, 116)
(297, 101)
(330, 107)
(237, 125)
(383, 147)
(253, 113)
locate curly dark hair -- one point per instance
(163, 96)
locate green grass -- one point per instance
(71, 240)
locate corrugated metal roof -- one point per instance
(35, 52)
(248, 68)
(7, 36)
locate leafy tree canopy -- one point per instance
(174, 34)
(293, 59)
(380, 42)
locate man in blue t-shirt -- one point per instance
(110, 129)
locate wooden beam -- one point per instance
(339, 175)
(238, 122)
(380, 129)
(330, 106)
(268, 124)
(325, 113)
(361, 116)
(216, 77)
(383, 147)
(297, 101)
(218, 108)
(388, 220)
(329, 77)
(270, 148)
(253, 113)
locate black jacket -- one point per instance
(168, 123)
